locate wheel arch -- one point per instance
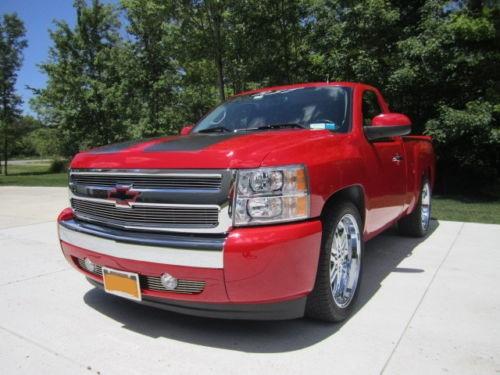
(354, 194)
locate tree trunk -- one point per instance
(5, 152)
(220, 77)
(215, 23)
(5, 133)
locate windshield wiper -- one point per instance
(215, 129)
(278, 126)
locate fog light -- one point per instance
(89, 265)
(168, 281)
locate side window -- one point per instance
(371, 107)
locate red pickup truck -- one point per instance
(259, 211)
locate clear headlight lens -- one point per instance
(270, 195)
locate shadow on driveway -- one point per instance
(382, 256)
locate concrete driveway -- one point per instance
(426, 306)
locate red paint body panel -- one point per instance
(272, 263)
(214, 292)
(237, 152)
(268, 264)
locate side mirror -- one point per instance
(186, 129)
(388, 125)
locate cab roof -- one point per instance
(303, 85)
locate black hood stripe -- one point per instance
(116, 147)
(194, 142)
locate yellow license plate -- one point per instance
(123, 284)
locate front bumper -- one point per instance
(253, 273)
(262, 311)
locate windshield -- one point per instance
(326, 107)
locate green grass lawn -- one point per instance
(33, 175)
(457, 208)
(454, 208)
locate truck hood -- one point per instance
(195, 151)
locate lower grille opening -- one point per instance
(153, 282)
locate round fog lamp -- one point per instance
(168, 281)
(89, 265)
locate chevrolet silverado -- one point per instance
(259, 211)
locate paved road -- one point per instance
(427, 306)
(29, 161)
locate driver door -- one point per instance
(386, 171)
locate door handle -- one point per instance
(397, 159)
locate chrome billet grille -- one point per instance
(146, 215)
(183, 286)
(151, 181)
(97, 269)
(154, 283)
(156, 200)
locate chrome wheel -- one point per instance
(425, 206)
(345, 260)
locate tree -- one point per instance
(265, 42)
(449, 58)
(435, 60)
(12, 43)
(84, 96)
(203, 32)
(353, 40)
(448, 81)
(152, 69)
(467, 144)
(21, 144)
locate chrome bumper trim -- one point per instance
(176, 241)
(143, 253)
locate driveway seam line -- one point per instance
(26, 225)
(421, 300)
(34, 277)
(45, 348)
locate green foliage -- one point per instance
(20, 144)
(83, 93)
(171, 61)
(46, 142)
(57, 166)
(353, 42)
(33, 175)
(449, 59)
(151, 69)
(468, 144)
(12, 43)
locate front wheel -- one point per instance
(418, 222)
(340, 265)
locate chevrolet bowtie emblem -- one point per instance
(123, 195)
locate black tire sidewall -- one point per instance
(322, 294)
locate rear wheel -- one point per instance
(340, 265)
(417, 223)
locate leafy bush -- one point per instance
(46, 142)
(57, 166)
(467, 143)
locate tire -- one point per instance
(417, 223)
(321, 303)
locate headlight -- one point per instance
(271, 195)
